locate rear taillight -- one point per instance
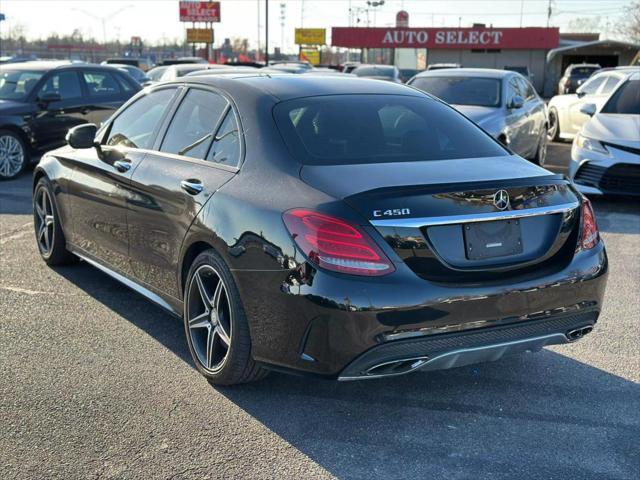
(335, 244)
(590, 236)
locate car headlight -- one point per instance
(587, 143)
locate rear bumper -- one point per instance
(340, 326)
(439, 352)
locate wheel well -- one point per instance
(36, 178)
(190, 255)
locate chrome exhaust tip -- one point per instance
(578, 333)
(395, 367)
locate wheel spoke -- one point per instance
(48, 220)
(46, 239)
(204, 295)
(40, 212)
(224, 338)
(217, 295)
(200, 321)
(211, 341)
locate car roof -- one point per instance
(468, 72)
(46, 65)
(286, 87)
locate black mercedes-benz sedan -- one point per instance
(341, 227)
(40, 101)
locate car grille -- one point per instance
(623, 178)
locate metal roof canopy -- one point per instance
(598, 43)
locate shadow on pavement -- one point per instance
(543, 413)
(15, 195)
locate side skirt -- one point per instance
(145, 292)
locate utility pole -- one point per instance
(548, 13)
(266, 32)
(258, 50)
(521, 11)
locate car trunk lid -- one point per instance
(463, 220)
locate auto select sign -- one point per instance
(199, 11)
(468, 38)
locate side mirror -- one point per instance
(588, 109)
(516, 102)
(49, 97)
(82, 136)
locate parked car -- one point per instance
(288, 67)
(178, 70)
(155, 74)
(503, 103)
(143, 64)
(565, 117)
(407, 74)
(443, 66)
(389, 73)
(40, 101)
(575, 75)
(137, 74)
(347, 228)
(348, 67)
(224, 71)
(605, 157)
(182, 61)
(522, 70)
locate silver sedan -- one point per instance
(501, 102)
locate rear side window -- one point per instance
(226, 148)
(193, 126)
(136, 125)
(101, 84)
(609, 85)
(592, 86)
(65, 84)
(358, 129)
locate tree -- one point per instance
(630, 28)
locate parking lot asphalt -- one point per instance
(96, 382)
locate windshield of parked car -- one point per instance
(456, 90)
(380, 71)
(17, 84)
(625, 100)
(356, 129)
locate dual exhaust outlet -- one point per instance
(467, 356)
(578, 333)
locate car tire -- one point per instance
(213, 310)
(553, 131)
(50, 238)
(13, 155)
(541, 151)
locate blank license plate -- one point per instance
(499, 238)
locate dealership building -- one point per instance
(543, 51)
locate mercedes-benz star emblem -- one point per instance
(501, 199)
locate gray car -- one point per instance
(502, 102)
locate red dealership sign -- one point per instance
(199, 11)
(467, 38)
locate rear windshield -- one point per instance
(356, 129)
(583, 71)
(456, 90)
(626, 100)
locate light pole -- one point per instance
(103, 19)
(266, 32)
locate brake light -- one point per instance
(590, 236)
(335, 244)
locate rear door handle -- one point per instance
(121, 166)
(192, 187)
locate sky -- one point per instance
(155, 20)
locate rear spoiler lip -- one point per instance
(552, 179)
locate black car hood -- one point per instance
(341, 181)
(10, 107)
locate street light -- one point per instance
(103, 19)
